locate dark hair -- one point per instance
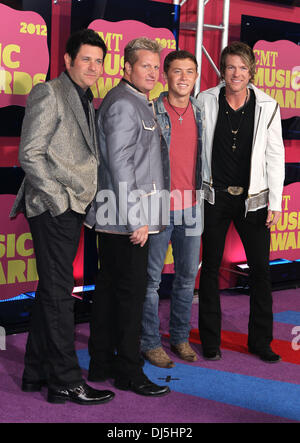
(242, 50)
(84, 37)
(178, 55)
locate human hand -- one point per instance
(272, 218)
(139, 236)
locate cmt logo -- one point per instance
(2, 339)
(296, 340)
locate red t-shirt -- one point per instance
(183, 156)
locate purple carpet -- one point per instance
(237, 389)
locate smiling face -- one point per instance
(236, 75)
(181, 77)
(144, 73)
(87, 67)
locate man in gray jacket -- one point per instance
(126, 211)
(58, 152)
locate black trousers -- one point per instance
(116, 318)
(50, 351)
(255, 237)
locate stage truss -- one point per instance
(199, 27)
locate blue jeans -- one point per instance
(184, 234)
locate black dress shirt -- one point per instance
(85, 97)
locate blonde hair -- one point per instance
(130, 51)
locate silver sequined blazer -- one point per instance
(58, 151)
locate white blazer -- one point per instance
(267, 167)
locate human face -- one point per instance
(87, 66)
(236, 75)
(144, 73)
(181, 77)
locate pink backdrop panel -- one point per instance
(18, 272)
(116, 36)
(24, 55)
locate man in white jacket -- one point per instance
(243, 174)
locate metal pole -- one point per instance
(176, 16)
(199, 41)
(226, 9)
(211, 61)
(200, 27)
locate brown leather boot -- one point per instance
(158, 357)
(184, 351)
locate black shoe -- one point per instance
(82, 394)
(265, 354)
(213, 355)
(141, 386)
(33, 386)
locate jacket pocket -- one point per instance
(148, 189)
(149, 125)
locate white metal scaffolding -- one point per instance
(199, 27)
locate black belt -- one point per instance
(233, 190)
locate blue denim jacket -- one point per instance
(165, 125)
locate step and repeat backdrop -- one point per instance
(27, 34)
(28, 39)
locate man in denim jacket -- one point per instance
(179, 117)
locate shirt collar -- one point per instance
(131, 84)
(82, 93)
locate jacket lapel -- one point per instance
(76, 106)
(92, 130)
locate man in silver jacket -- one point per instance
(128, 208)
(58, 153)
(243, 176)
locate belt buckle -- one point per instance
(235, 190)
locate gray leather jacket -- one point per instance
(133, 165)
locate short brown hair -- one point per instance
(178, 55)
(245, 52)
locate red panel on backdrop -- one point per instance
(9, 151)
